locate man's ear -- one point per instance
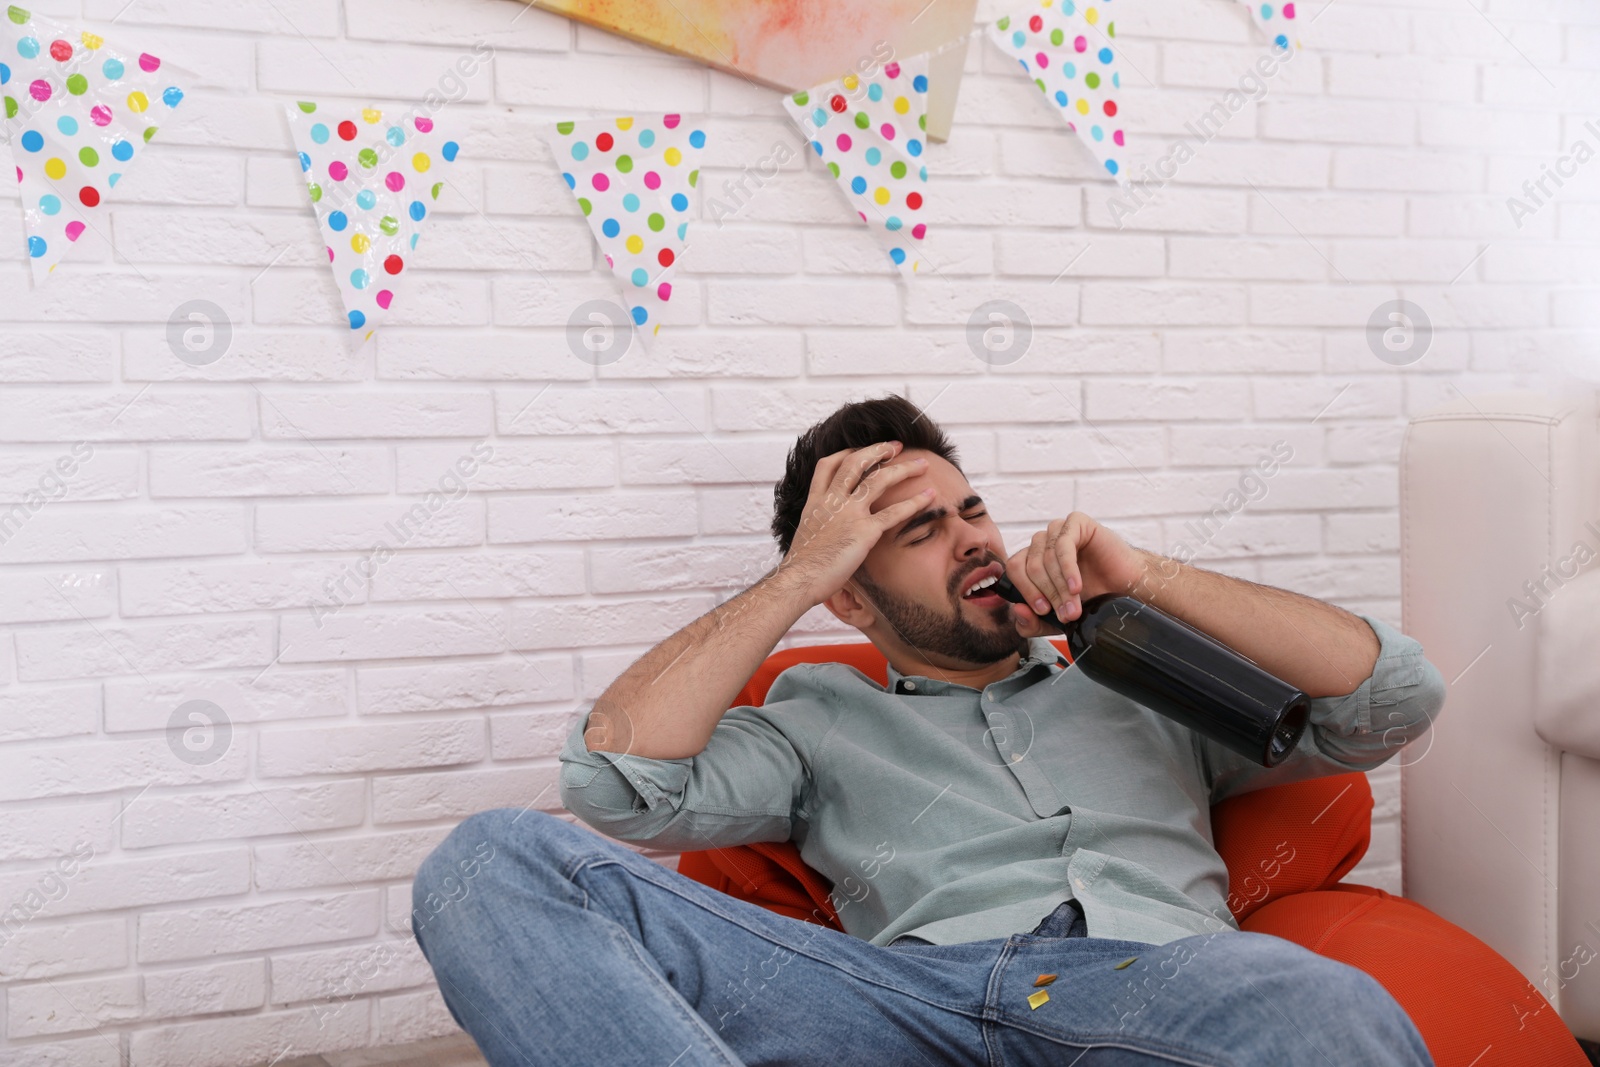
(851, 607)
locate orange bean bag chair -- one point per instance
(1471, 1006)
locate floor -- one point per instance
(454, 1051)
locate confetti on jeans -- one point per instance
(1038, 998)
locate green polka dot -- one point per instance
(1040, 83)
(833, 169)
(922, 122)
(584, 205)
(802, 98)
(367, 158)
(1092, 80)
(862, 122)
(316, 192)
(694, 178)
(88, 157)
(898, 169)
(566, 127)
(657, 223)
(437, 188)
(389, 225)
(624, 163)
(1004, 23)
(307, 106)
(11, 107)
(1111, 29)
(1056, 37)
(77, 84)
(149, 132)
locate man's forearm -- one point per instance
(668, 703)
(1321, 649)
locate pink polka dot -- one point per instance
(395, 181)
(888, 131)
(601, 182)
(424, 124)
(74, 230)
(40, 90)
(1117, 137)
(100, 115)
(652, 180)
(19, 175)
(149, 63)
(918, 230)
(664, 290)
(843, 142)
(891, 70)
(1081, 45)
(1042, 59)
(330, 255)
(1288, 11)
(385, 298)
(338, 171)
(671, 121)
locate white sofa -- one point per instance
(1501, 810)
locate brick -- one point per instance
(951, 301)
(44, 832)
(79, 472)
(644, 568)
(1290, 443)
(366, 634)
(563, 517)
(629, 622)
(457, 794)
(790, 303)
(1212, 536)
(530, 735)
(44, 655)
(194, 588)
(1362, 532)
(56, 712)
(625, 409)
(702, 461)
(361, 414)
(66, 1007)
(232, 986)
(1311, 398)
(1234, 351)
(499, 355)
(1035, 500)
(349, 970)
(835, 353)
(371, 746)
(1279, 260)
(1172, 208)
(251, 1038)
(711, 352)
(1327, 214)
(431, 521)
(105, 884)
(48, 950)
(196, 933)
(792, 407)
(1166, 400)
(590, 83)
(80, 355)
(1057, 449)
(257, 696)
(271, 471)
(733, 511)
(414, 1017)
(293, 296)
(50, 596)
(555, 302)
(337, 861)
(1087, 351)
(462, 686)
(1090, 256)
(59, 415)
(213, 815)
(510, 465)
(86, 767)
(387, 70)
(252, 355)
(118, 295)
(71, 532)
(493, 575)
(93, 1051)
(422, 22)
(1335, 579)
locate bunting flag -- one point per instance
(1276, 19)
(871, 132)
(1067, 48)
(633, 177)
(372, 181)
(78, 112)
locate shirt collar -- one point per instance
(1041, 653)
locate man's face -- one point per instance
(919, 572)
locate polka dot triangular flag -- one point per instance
(870, 132)
(373, 178)
(1068, 48)
(1276, 19)
(78, 112)
(633, 177)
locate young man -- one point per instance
(986, 818)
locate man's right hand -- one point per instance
(838, 527)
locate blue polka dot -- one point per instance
(1281, 41)
(872, 156)
(28, 47)
(640, 277)
(920, 83)
(572, 183)
(923, 173)
(819, 117)
(357, 320)
(67, 125)
(1068, 7)
(892, 223)
(173, 96)
(414, 238)
(858, 185)
(113, 179)
(683, 230)
(112, 69)
(395, 136)
(680, 202)
(366, 199)
(449, 151)
(32, 141)
(1097, 133)
(639, 315)
(37, 247)
(1105, 55)
(1019, 39)
(1266, 11)
(580, 150)
(610, 228)
(647, 138)
(305, 162)
(122, 151)
(418, 210)
(1116, 79)
(898, 255)
(874, 91)
(360, 278)
(319, 133)
(818, 146)
(630, 202)
(5, 74)
(1111, 165)
(338, 221)
(914, 147)
(1061, 98)
(50, 204)
(697, 139)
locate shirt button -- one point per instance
(1016, 757)
(1078, 882)
(912, 686)
(989, 696)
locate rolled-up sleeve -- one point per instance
(746, 785)
(1358, 731)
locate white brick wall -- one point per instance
(230, 908)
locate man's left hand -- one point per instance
(1067, 562)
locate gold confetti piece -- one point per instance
(1124, 963)
(1038, 999)
(1044, 979)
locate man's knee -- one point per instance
(457, 867)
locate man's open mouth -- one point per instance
(979, 585)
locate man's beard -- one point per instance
(952, 636)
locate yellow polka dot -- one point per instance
(850, 82)
(371, 117)
(1092, 16)
(635, 244)
(672, 156)
(55, 169)
(360, 243)
(92, 41)
(625, 123)
(881, 196)
(901, 105)
(421, 162)
(138, 103)
(1083, 106)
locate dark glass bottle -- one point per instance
(1170, 667)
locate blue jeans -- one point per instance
(554, 945)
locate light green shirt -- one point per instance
(956, 814)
